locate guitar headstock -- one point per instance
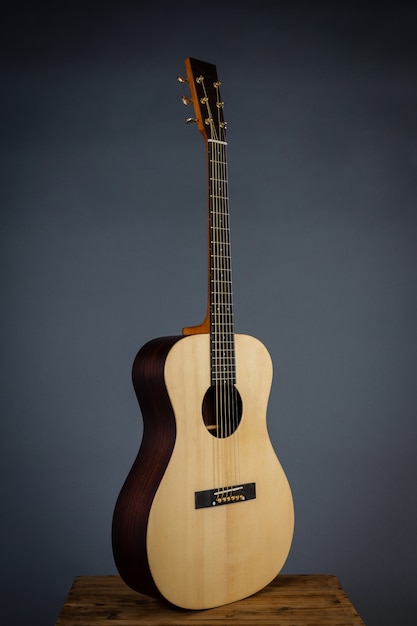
(205, 97)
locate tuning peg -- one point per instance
(186, 100)
(190, 120)
(181, 79)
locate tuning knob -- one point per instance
(186, 100)
(181, 79)
(190, 120)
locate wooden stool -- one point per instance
(306, 600)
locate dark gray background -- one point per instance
(103, 246)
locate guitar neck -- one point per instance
(220, 267)
(208, 106)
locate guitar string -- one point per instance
(225, 364)
(229, 347)
(217, 465)
(225, 347)
(224, 328)
(222, 334)
(234, 400)
(216, 319)
(221, 366)
(227, 335)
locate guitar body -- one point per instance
(164, 545)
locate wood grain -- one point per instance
(203, 558)
(290, 600)
(134, 502)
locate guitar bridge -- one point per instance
(224, 495)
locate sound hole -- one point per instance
(222, 410)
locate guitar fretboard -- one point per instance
(223, 368)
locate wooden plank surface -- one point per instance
(290, 600)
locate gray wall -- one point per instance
(103, 246)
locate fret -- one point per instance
(222, 352)
(224, 281)
(221, 376)
(217, 180)
(221, 310)
(224, 365)
(222, 328)
(221, 280)
(224, 362)
(225, 304)
(224, 342)
(222, 316)
(220, 283)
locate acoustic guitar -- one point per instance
(205, 516)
